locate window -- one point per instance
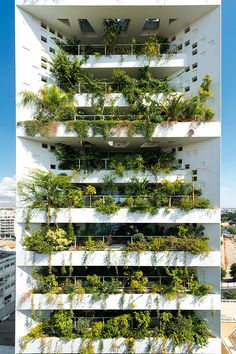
(180, 161)
(44, 146)
(85, 26)
(173, 38)
(194, 66)
(43, 25)
(180, 47)
(44, 66)
(44, 39)
(194, 52)
(7, 266)
(53, 167)
(187, 43)
(52, 50)
(194, 172)
(7, 297)
(187, 88)
(59, 35)
(44, 79)
(194, 79)
(187, 69)
(151, 24)
(187, 30)
(194, 178)
(43, 59)
(52, 148)
(194, 45)
(180, 148)
(187, 166)
(52, 30)
(173, 150)
(65, 21)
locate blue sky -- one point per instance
(7, 101)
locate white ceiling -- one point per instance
(137, 14)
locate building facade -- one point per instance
(7, 224)
(118, 214)
(7, 283)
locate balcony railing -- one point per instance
(123, 49)
(112, 87)
(160, 279)
(120, 199)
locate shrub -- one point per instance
(232, 271)
(63, 324)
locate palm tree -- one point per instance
(49, 104)
(44, 190)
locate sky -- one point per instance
(7, 104)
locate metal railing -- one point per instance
(160, 279)
(124, 49)
(103, 164)
(112, 87)
(120, 199)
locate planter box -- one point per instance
(118, 301)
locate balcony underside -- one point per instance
(119, 258)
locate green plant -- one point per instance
(67, 71)
(62, 323)
(49, 104)
(117, 327)
(232, 271)
(223, 273)
(44, 190)
(47, 240)
(106, 205)
(112, 30)
(138, 282)
(229, 295)
(46, 284)
(143, 320)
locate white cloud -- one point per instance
(7, 191)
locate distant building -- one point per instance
(7, 223)
(7, 283)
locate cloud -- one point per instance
(7, 192)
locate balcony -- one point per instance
(90, 215)
(181, 131)
(118, 301)
(119, 258)
(140, 346)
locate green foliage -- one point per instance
(229, 295)
(49, 104)
(67, 71)
(143, 320)
(45, 283)
(232, 271)
(62, 323)
(44, 190)
(47, 240)
(106, 205)
(180, 328)
(138, 282)
(223, 273)
(112, 30)
(232, 230)
(117, 327)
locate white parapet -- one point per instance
(173, 130)
(118, 302)
(118, 258)
(90, 215)
(176, 61)
(55, 345)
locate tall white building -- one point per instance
(192, 52)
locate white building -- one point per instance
(193, 31)
(7, 283)
(7, 223)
